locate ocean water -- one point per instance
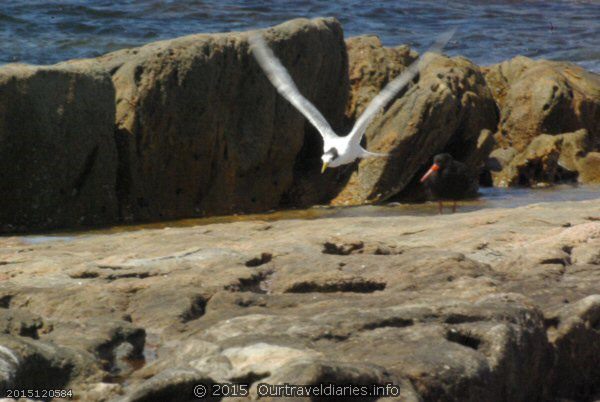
(488, 198)
(489, 31)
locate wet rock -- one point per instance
(204, 99)
(446, 110)
(543, 96)
(58, 158)
(549, 159)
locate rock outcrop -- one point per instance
(543, 97)
(588, 168)
(447, 110)
(371, 67)
(494, 305)
(549, 128)
(57, 153)
(549, 159)
(192, 127)
(200, 129)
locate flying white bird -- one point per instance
(337, 150)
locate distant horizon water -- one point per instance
(46, 32)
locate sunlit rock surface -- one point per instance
(497, 304)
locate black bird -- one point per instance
(449, 179)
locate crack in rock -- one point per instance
(355, 285)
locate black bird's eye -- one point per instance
(334, 153)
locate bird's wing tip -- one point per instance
(255, 38)
(442, 40)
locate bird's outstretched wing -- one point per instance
(284, 84)
(392, 88)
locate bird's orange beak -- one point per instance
(433, 168)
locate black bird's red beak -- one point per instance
(433, 168)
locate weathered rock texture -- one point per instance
(543, 97)
(494, 305)
(200, 129)
(573, 327)
(191, 126)
(58, 160)
(541, 104)
(371, 67)
(589, 168)
(550, 159)
(446, 110)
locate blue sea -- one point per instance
(45, 32)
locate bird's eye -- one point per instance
(334, 153)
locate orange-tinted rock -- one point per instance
(543, 96)
(446, 110)
(371, 67)
(589, 168)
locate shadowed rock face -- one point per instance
(58, 160)
(191, 126)
(492, 305)
(445, 111)
(200, 129)
(573, 327)
(549, 159)
(186, 127)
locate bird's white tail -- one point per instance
(368, 154)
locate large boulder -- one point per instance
(447, 110)
(371, 67)
(588, 168)
(57, 154)
(200, 129)
(549, 159)
(543, 96)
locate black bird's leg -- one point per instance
(454, 207)
(440, 207)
